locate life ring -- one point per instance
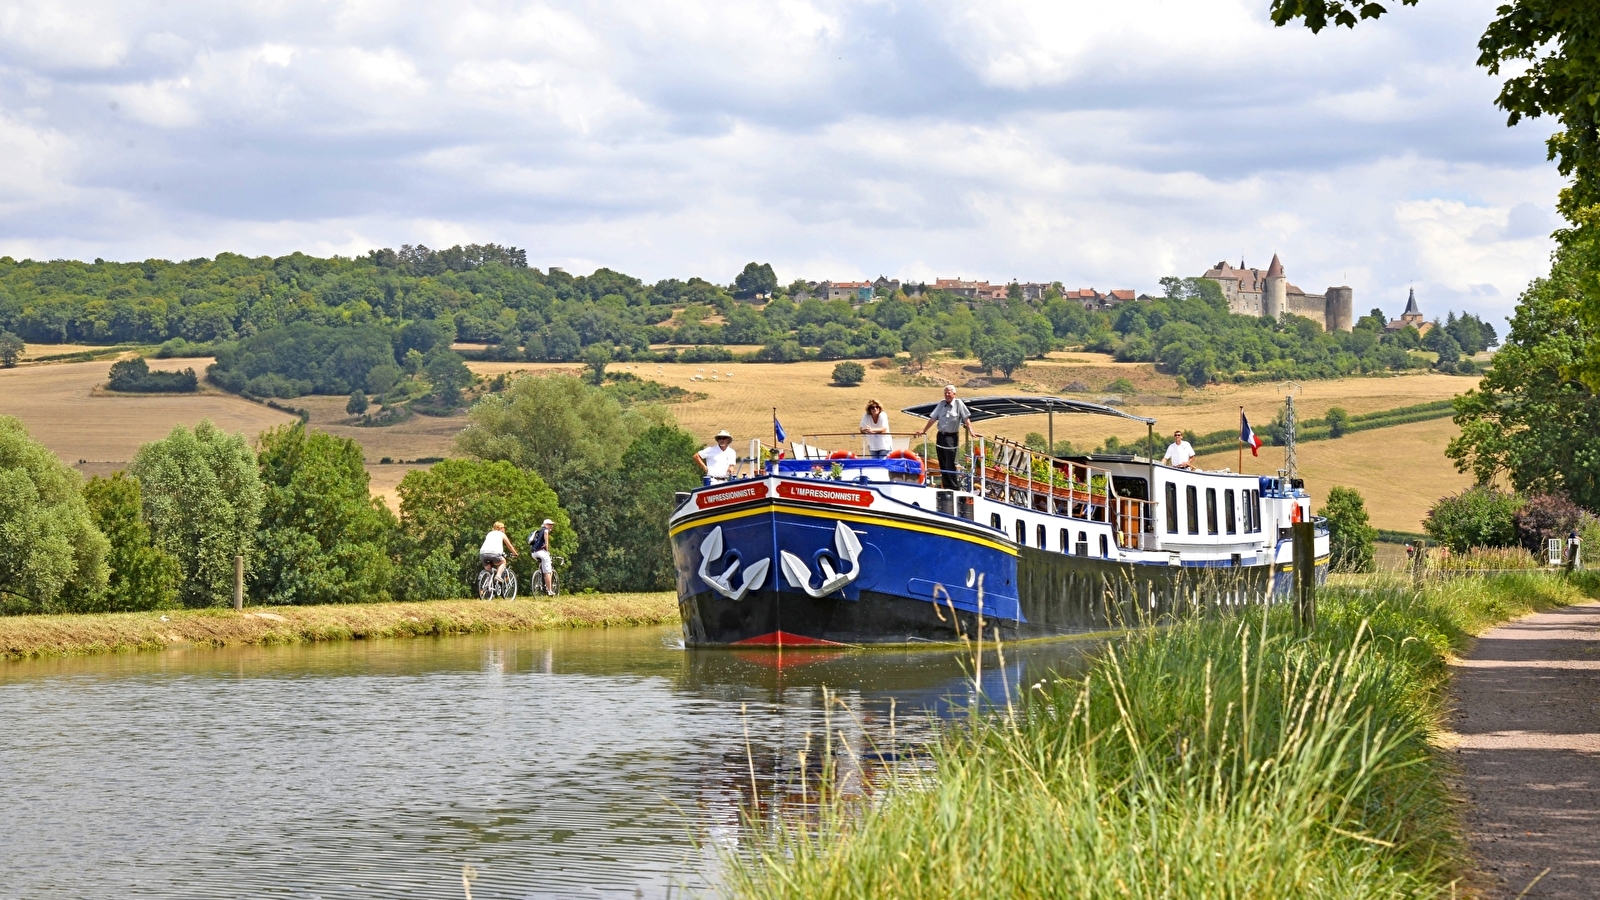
(1295, 515)
(922, 470)
(841, 454)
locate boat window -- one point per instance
(1083, 543)
(994, 522)
(1066, 541)
(1230, 515)
(1104, 546)
(1022, 533)
(1192, 508)
(1252, 509)
(1211, 510)
(1172, 508)
(1040, 535)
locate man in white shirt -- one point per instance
(1179, 452)
(718, 461)
(875, 425)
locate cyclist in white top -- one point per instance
(495, 546)
(1179, 452)
(719, 461)
(875, 425)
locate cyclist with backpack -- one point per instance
(539, 549)
(495, 546)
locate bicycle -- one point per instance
(556, 562)
(493, 584)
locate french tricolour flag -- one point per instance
(1247, 435)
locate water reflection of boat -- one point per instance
(828, 549)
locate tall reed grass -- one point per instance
(1225, 758)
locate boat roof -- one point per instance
(1000, 407)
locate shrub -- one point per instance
(849, 373)
(1338, 421)
(1121, 386)
(1351, 534)
(1477, 517)
(1546, 516)
(357, 403)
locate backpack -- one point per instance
(536, 541)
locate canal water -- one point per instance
(583, 763)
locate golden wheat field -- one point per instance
(64, 406)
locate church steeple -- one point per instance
(1411, 306)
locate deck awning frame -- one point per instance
(983, 408)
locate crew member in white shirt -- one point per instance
(719, 460)
(1179, 452)
(875, 425)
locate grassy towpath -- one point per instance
(1223, 757)
(23, 637)
(1527, 723)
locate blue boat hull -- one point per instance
(912, 579)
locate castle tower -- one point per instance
(1340, 313)
(1274, 290)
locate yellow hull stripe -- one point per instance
(846, 516)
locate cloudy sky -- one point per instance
(1099, 144)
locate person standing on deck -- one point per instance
(719, 460)
(875, 425)
(1179, 452)
(951, 416)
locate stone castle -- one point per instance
(1252, 292)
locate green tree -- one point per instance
(597, 357)
(1338, 421)
(754, 280)
(921, 351)
(143, 576)
(357, 404)
(448, 373)
(1004, 355)
(849, 373)
(555, 425)
(446, 510)
(323, 538)
(202, 498)
(1476, 517)
(1530, 419)
(52, 557)
(1350, 534)
(11, 348)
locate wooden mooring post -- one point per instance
(1305, 574)
(238, 582)
(1419, 562)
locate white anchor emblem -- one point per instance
(754, 577)
(799, 575)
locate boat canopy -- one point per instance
(1000, 407)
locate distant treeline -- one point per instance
(316, 325)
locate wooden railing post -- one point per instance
(1305, 574)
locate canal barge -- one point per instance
(821, 547)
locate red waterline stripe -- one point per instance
(785, 639)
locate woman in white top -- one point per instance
(495, 546)
(875, 425)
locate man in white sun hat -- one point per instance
(720, 459)
(539, 549)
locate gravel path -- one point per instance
(1527, 716)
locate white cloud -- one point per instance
(1092, 143)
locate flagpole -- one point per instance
(1241, 440)
(775, 429)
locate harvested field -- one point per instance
(61, 408)
(24, 637)
(1400, 471)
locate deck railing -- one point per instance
(1015, 474)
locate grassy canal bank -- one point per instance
(1220, 758)
(35, 636)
